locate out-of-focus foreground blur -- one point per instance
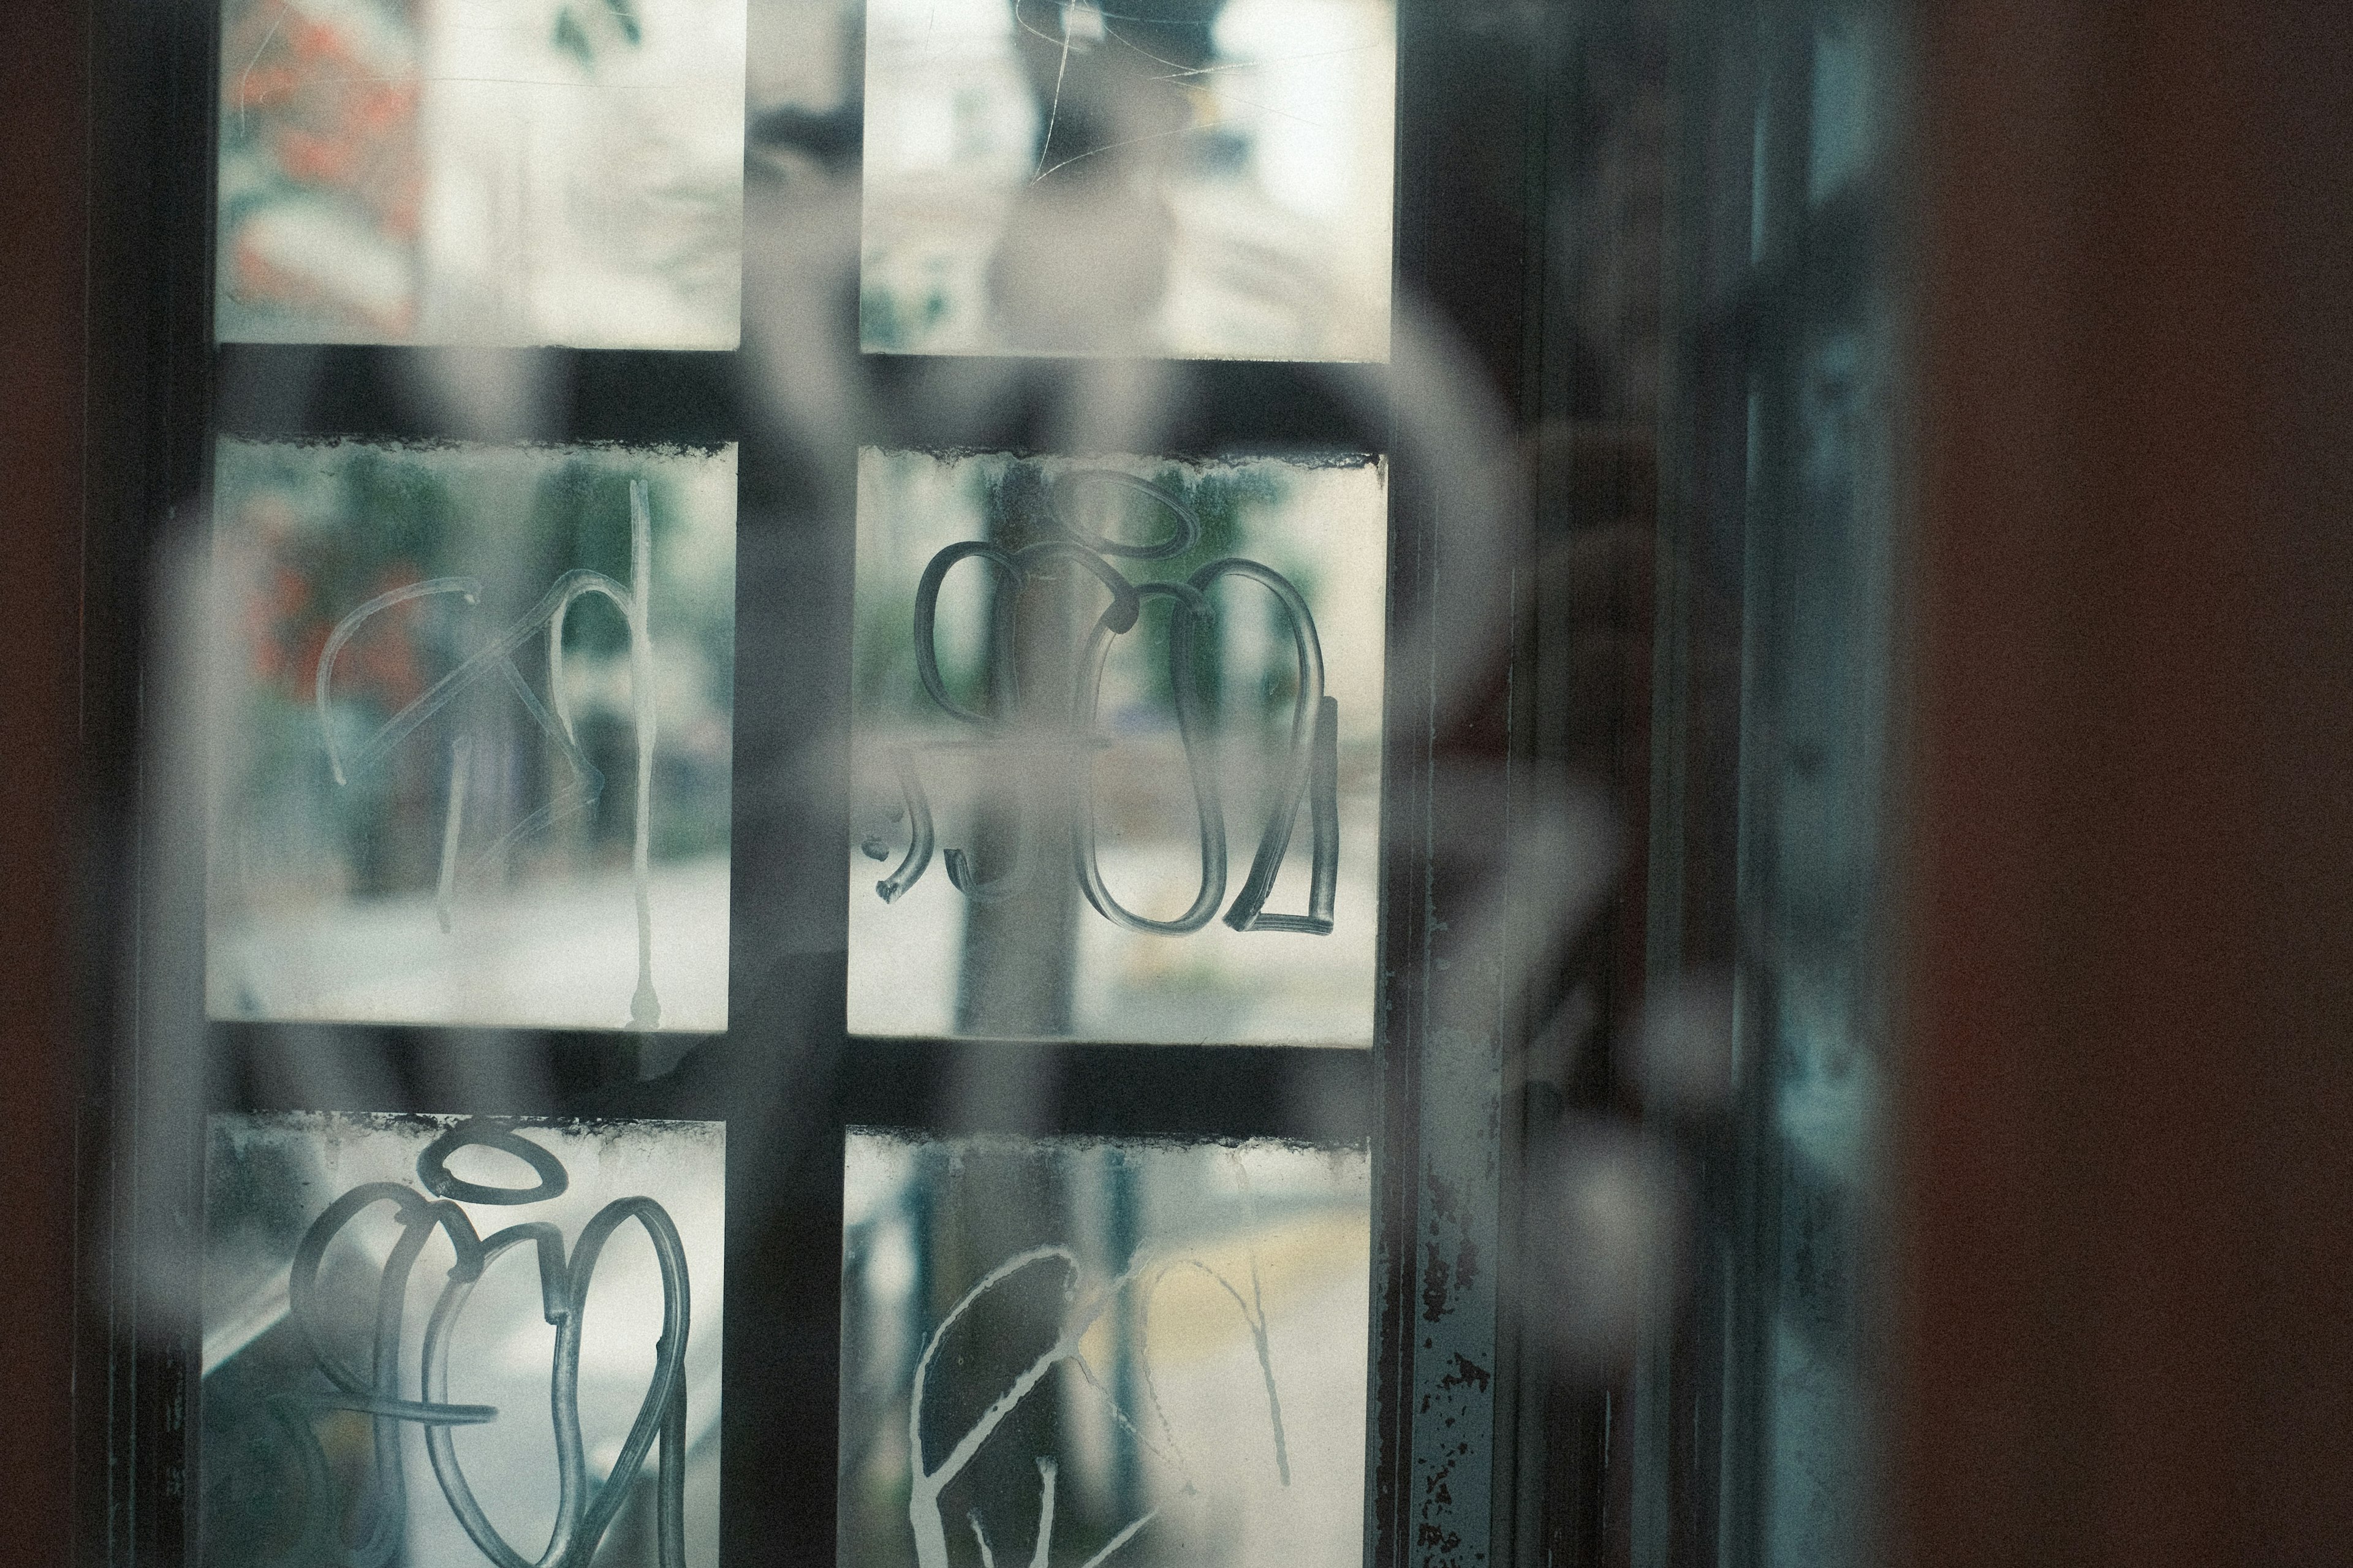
(1256, 781)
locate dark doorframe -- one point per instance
(42, 49)
(2125, 1239)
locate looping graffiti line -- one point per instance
(581, 792)
(1081, 1309)
(1062, 754)
(583, 1511)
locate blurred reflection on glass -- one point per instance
(471, 730)
(485, 172)
(1191, 178)
(392, 1304)
(1117, 748)
(1142, 1352)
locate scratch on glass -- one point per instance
(1082, 1310)
(496, 661)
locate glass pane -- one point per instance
(1765, 1053)
(472, 735)
(1813, 753)
(1149, 662)
(1145, 1352)
(1117, 743)
(558, 172)
(1202, 179)
(393, 1303)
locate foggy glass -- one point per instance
(1138, 835)
(1203, 179)
(514, 171)
(1149, 1352)
(471, 728)
(439, 1339)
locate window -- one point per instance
(1078, 779)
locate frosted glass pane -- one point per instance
(489, 172)
(1136, 1353)
(1116, 746)
(1185, 178)
(393, 1305)
(472, 720)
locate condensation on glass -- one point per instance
(559, 171)
(470, 734)
(1063, 1349)
(442, 1339)
(1201, 180)
(1116, 740)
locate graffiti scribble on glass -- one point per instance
(495, 662)
(583, 1510)
(1084, 1300)
(1067, 743)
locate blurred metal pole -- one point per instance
(1020, 951)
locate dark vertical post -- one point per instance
(2124, 1234)
(42, 62)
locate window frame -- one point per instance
(163, 390)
